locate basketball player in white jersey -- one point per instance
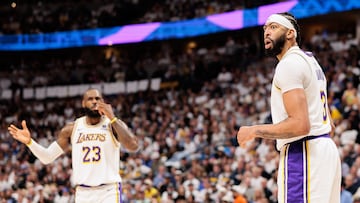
(309, 168)
(94, 140)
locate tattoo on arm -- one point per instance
(272, 135)
(275, 131)
(125, 136)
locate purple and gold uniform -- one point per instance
(308, 163)
(94, 174)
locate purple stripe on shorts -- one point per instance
(295, 167)
(120, 193)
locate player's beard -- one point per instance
(278, 45)
(92, 113)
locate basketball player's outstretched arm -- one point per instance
(45, 155)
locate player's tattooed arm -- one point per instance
(125, 136)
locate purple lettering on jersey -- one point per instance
(320, 74)
(308, 53)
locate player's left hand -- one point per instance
(245, 134)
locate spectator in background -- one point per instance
(238, 196)
(151, 192)
(349, 97)
(345, 196)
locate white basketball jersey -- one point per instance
(298, 69)
(95, 153)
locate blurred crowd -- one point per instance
(37, 16)
(187, 131)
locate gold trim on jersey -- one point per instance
(113, 137)
(307, 164)
(73, 131)
(277, 88)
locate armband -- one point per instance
(113, 120)
(28, 144)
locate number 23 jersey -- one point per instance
(95, 153)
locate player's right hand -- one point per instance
(22, 135)
(244, 135)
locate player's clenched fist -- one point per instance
(245, 134)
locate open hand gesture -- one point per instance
(22, 135)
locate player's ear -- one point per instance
(290, 34)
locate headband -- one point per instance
(277, 18)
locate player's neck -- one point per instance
(286, 48)
(92, 121)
